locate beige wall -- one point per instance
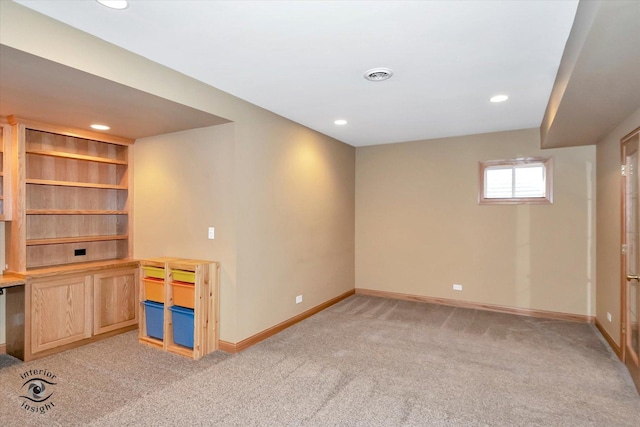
(296, 213)
(183, 184)
(280, 206)
(419, 228)
(609, 226)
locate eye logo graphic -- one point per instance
(37, 391)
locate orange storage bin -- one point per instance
(154, 290)
(184, 294)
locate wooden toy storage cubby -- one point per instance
(205, 303)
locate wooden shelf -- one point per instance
(81, 239)
(75, 184)
(153, 342)
(73, 212)
(74, 156)
(182, 351)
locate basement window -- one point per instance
(516, 181)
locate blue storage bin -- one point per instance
(182, 325)
(154, 313)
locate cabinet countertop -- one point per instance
(9, 280)
(88, 267)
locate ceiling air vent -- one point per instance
(378, 74)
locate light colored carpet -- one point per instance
(363, 362)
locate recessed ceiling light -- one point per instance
(100, 127)
(499, 98)
(114, 4)
(378, 74)
(340, 122)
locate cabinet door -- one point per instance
(115, 296)
(60, 311)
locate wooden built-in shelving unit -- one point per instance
(68, 232)
(74, 197)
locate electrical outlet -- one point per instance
(609, 317)
(457, 287)
(298, 299)
(212, 233)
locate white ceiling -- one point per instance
(305, 60)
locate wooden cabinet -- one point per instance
(115, 300)
(203, 298)
(60, 311)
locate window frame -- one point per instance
(547, 162)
